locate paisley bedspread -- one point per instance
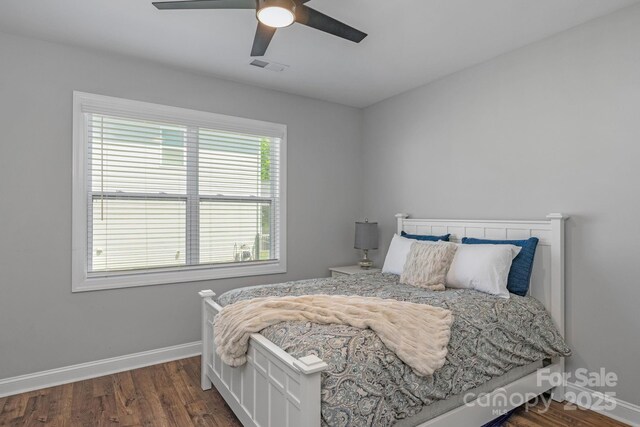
(367, 385)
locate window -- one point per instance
(164, 195)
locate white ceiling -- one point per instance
(410, 42)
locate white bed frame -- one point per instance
(275, 389)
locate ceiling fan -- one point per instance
(273, 14)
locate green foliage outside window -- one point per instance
(265, 210)
(265, 159)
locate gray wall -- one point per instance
(44, 325)
(553, 127)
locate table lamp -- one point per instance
(366, 239)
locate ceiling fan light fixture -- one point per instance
(276, 13)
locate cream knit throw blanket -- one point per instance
(417, 333)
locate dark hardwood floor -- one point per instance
(162, 395)
(169, 395)
(559, 414)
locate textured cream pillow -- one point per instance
(427, 265)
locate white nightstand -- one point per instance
(351, 269)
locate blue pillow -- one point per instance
(444, 237)
(522, 265)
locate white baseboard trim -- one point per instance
(622, 411)
(83, 371)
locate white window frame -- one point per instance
(90, 103)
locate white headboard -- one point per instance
(547, 279)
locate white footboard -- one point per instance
(272, 389)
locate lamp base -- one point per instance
(365, 263)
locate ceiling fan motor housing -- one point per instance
(285, 4)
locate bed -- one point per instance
(285, 388)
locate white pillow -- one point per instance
(484, 268)
(397, 254)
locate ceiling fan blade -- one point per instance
(312, 18)
(263, 37)
(205, 4)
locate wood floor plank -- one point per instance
(66, 406)
(104, 404)
(83, 414)
(14, 408)
(170, 395)
(202, 409)
(37, 408)
(56, 402)
(218, 408)
(559, 415)
(195, 407)
(152, 412)
(126, 400)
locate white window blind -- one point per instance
(169, 193)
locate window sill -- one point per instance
(86, 284)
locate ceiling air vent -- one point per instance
(271, 66)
